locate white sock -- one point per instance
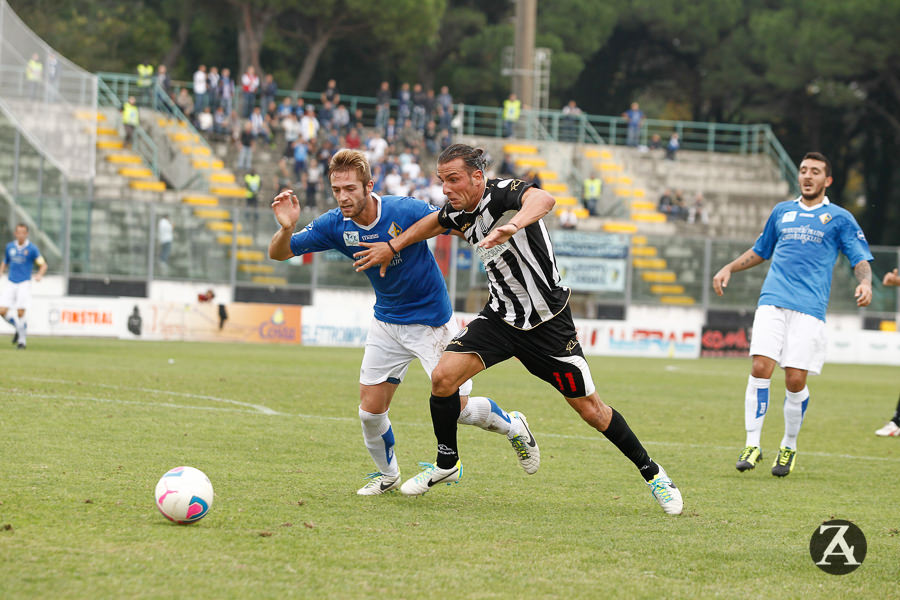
(756, 403)
(379, 438)
(21, 326)
(794, 409)
(484, 412)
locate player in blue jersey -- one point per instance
(19, 258)
(803, 238)
(413, 316)
(892, 428)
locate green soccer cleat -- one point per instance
(784, 462)
(749, 458)
(665, 493)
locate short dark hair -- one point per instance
(820, 157)
(22, 225)
(473, 158)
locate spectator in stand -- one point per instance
(258, 126)
(331, 93)
(285, 108)
(390, 131)
(272, 120)
(205, 121)
(245, 156)
(201, 87)
(357, 119)
(507, 169)
(382, 105)
(376, 146)
(299, 108)
(291, 127)
(130, 119)
(431, 138)
(593, 189)
(341, 120)
(418, 111)
(185, 103)
(309, 125)
(445, 102)
(226, 91)
(249, 87)
(446, 140)
(512, 108)
(634, 117)
(568, 219)
(212, 84)
(163, 81)
(571, 116)
(301, 157)
(408, 136)
(326, 114)
(672, 147)
(679, 208)
(269, 90)
(655, 142)
(533, 177)
(353, 141)
(697, 211)
(220, 122)
(313, 179)
(666, 204)
(404, 104)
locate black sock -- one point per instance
(620, 434)
(444, 413)
(896, 418)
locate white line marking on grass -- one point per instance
(258, 409)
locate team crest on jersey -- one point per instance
(395, 229)
(825, 218)
(351, 238)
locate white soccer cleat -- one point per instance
(430, 477)
(889, 430)
(379, 483)
(526, 447)
(666, 493)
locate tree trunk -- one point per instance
(181, 38)
(252, 27)
(311, 60)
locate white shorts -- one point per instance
(792, 338)
(391, 347)
(15, 295)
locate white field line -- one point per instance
(259, 409)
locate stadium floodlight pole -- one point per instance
(523, 66)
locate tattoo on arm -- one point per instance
(863, 271)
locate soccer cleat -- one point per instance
(749, 458)
(526, 447)
(379, 483)
(21, 346)
(15, 337)
(784, 462)
(429, 477)
(666, 493)
(889, 430)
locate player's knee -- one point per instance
(794, 382)
(443, 382)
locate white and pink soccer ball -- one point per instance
(184, 495)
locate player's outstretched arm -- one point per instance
(535, 204)
(744, 261)
(891, 278)
(286, 208)
(863, 291)
(380, 253)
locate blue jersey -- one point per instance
(20, 260)
(803, 244)
(412, 291)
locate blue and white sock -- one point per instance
(794, 409)
(756, 403)
(379, 438)
(484, 412)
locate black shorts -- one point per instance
(550, 351)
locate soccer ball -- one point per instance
(184, 495)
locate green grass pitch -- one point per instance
(89, 426)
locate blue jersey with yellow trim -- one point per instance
(20, 260)
(803, 243)
(413, 290)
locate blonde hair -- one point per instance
(351, 160)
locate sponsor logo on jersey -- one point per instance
(351, 238)
(789, 217)
(371, 236)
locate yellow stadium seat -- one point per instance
(148, 186)
(198, 200)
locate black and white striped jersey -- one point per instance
(522, 274)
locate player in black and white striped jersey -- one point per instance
(527, 315)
